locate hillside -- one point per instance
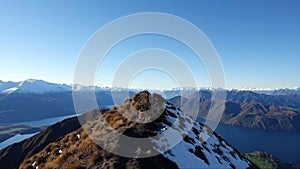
(246, 114)
(199, 148)
(247, 96)
(267, 161)
(13, 155)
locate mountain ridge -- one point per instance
(200, 147)
(34, 106)
(41, 86)
(249, 114)
(13, 155)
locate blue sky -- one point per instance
(257, 41)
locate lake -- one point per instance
(46, 122)
(36, 123)
(15, 139)
(282, 144)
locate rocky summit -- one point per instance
(146, 116)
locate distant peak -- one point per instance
(30, 80)
(34, 80)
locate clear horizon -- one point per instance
(257, 42)
(143, 88)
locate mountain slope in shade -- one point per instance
(257, 115)
(20, 107)
(252, 115)
(291, 101)
(77, 150)
(240, 96)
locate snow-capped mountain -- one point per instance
(32, 86)
(41, 87)
(273, 91)
(199, 147)
(283, 91)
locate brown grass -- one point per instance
(84, 152)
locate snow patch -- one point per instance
(192, 152)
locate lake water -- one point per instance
(47, 122)
(36, 123)
(282, 144)
(15, 139)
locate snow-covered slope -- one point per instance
(32, 86)
(41, 87)
(8, 86)
(193, 151)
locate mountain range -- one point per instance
(36, 99)
(40, 87)
(245, 114)
(280, 91)
(32, 86)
